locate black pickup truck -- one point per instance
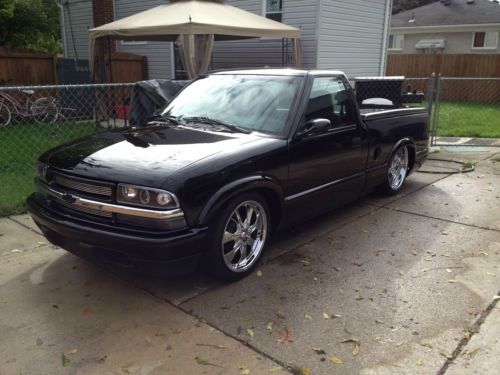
(235, 156)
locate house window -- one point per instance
(132, 42)
(274, 9)
(396, 42)
(485, 39)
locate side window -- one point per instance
(329, 99)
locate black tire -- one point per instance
(214, 260)
(397, 171)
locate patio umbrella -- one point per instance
(195, 25)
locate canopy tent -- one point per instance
(194, 24)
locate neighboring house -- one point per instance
(447, 26)
(348, 35)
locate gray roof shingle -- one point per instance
(457, 13)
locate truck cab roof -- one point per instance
(281, 72)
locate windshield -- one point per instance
(255, 103)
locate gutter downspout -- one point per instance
(63, 27)
(383, 55)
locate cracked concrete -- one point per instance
(408, 281)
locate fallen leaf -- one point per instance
(466, 335)
(419, 361)
(350, 339)
(276, 369)
(244, 370)
(448, 270)
(201, 361)
(359, 298)
(491, 274)
(336, 360)
(336, 316)
(250, 332)
(305, 262)
(452, 281)
(414, 253)
(16, 251)
(259, 273)
(446, 355)
(426, 344)
(177, 331)
(326, 316)
(400, 343)
(424, 270)
(379, 321)
(269, 326)
(483, 253)
(495, 298)
(444, 233)
(308, 317)
(355, 350)
(401, 273)
(319, 351)
(365, 231)
(216, 346)
(72, 351)
(65, 360)
(148, 339)
(338, 269)
(284, 336)
(304, 371)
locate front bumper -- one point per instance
(171, 252)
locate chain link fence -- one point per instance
(467, 107)
(36, 119)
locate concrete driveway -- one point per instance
(401, 285)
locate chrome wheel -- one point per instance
(244, 236)
(398, 168)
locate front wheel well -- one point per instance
(275, 206)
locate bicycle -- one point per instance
(42, 110)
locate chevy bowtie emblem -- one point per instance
(68, 198)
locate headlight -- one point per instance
(146, 197)
(41, 171)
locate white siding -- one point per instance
(262, 52)
(77, 20)
(351, 36)
(158, 53)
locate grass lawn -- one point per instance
(469, 120)
(20, 146)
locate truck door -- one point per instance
(327, 167)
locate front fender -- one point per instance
(236, 187)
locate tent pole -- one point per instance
(109, 62)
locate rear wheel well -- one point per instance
(412, 154)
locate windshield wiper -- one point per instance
(215, 122)
(167, 118)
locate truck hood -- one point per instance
(148, 156)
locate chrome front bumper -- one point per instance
(108, 207)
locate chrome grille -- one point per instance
(85, 210)
(84, 187)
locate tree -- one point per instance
(32, 24)
(402, 5)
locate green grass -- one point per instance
(20, 147)
(469, 120)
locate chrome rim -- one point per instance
(244, 236)
(398, 168)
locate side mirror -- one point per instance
(315, 126)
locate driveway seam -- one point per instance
(464, 341)
(24, 225)
(441, 219)
(195, 316)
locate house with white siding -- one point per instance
(347, 35)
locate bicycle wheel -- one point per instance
(45, 110)
(5, 115)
